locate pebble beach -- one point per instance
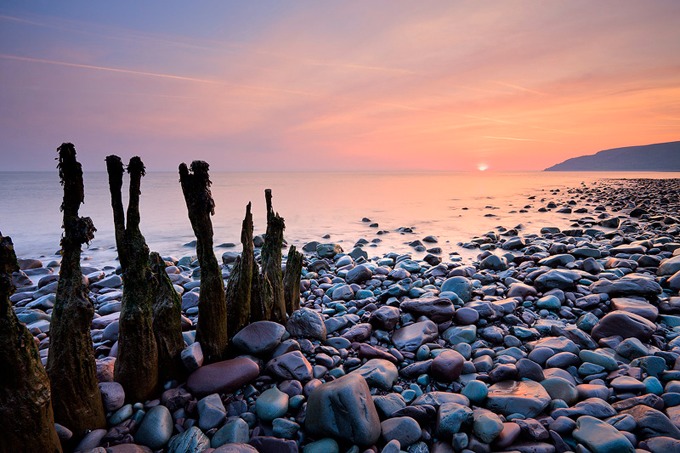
(559, 339)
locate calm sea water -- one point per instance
(313, 205)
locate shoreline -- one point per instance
(437, 341)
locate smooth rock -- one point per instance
(509, 397)
(601, 437)
(378, 373)
(156, 428)
(306, 323)
(411, 337)
(190, 441)
(222, 377)
(260, 337)
(344, 409)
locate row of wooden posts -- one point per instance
(150, 337)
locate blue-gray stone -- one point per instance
(259, 337)
(190, 441)
(601, 437)
(378, 373)
(156, 428)
(459, 285)
(211, 412)
(486, 425)
(271, 404)
(121, 415)
(344, 409)
(306, 323)
(327, 445)
(235, 430)
(404, 429)
(411, 337)
(451, 417)
(526, 397)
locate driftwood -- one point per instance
(71, 364)
(136, 367)
(241, 279)
(272, 276)
(291, 280)
(25, 405)
(211, 331)
(167, 323)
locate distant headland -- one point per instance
(656, 157)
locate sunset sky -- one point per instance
(344, 85)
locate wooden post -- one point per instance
(211, 331)
(241, 279)
(136, 367)
(291, 280)
(25, 404)
(70, 364)
(167, 322)
(272, 277)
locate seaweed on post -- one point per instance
(211, 331)
(26, 409)
(136, 367)
(167, 322)
(240, 281)
(291, 280)
(272, 276)
(71, 364)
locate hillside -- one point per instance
(656, 157)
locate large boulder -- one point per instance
(306, 323)
(259, 337)
(624, 324)
(344, 409)
(222, 377)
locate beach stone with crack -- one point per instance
(260, 337)
(639, 307)
(630, 285)
(447, 366)
(222, 377)
(291, 365)
(385, 318)
(378, 373)
(459, 285)
(436, 309)
(190, 441)
(525, 397)
(306, 323)
(156, 428)
(344, 409)
(601, 437)
(411, 337)
(623, 324)
(451, 417)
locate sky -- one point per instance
(336, 85)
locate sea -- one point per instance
(326, 207)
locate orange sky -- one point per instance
(358, 85)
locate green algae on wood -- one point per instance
(71, 364)
(211, 331)
(136, 367)
(25, 404)
(239, 286)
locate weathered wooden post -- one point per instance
(240, 281)
(70, 364)
(272, 277)
(211, 331)
(291, 280)
(136, 367)
(167, 322)
(25, 404)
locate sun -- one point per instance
(482, 167)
